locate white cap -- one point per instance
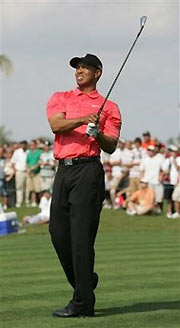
(151, 147)
(144, 180)
(173, 148)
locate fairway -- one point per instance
(136, 259)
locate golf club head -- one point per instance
(143, 20)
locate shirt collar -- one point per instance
(92, 94)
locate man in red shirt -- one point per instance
(147, 140)
(78, 190)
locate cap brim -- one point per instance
(74, 61)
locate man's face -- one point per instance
(121, 145)
(151, 153)
(86, 75)
(32, 145)
(143, 185)
(147, 138)
(23, 146)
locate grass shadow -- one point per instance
(139, 307)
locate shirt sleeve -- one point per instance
(113, 122)
(56, 104)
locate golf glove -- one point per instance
(92, 130)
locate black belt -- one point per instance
(78, 160)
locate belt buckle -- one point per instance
(68, 161)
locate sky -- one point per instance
(40, 37)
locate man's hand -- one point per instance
(92, 118)
(92, 130)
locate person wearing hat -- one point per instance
(151, 169)
(142, 201)
(171, 167)
(78, 191)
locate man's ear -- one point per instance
(98, 74)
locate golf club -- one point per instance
(142, 23)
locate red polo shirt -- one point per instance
(76, 104)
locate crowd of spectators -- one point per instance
(140, 176)
(26, 171)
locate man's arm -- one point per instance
(60, 124)
(106, 143)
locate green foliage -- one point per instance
(4, 135)
(6, 64)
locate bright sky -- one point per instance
(41, 37)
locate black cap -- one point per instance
(89, 59)
(146, 133)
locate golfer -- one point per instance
(79, 190)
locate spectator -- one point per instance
(3, 192)
(33, 173)
(151, 168)
(147, 140)
(176, 199)
(47, 166)
(19, 162)
(10, 179)
(134, 171)
(171, 167)
(108, 185)
(142, 201)
(115, 162)
(43, 216)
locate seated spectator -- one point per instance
(142, 201)
(151, 167)
(43, 216)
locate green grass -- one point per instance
(137, 261)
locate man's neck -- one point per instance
(87, 89)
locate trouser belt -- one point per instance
(78, 160)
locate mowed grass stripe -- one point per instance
(138, 278)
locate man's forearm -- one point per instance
(65, 125)
(60, 124)
(106, 143)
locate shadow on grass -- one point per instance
(139, 307)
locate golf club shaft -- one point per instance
(120, 70)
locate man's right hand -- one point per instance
(92, 118)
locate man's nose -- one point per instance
(79, 69)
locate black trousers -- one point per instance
(78, 193)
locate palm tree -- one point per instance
(5, 64)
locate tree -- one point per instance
(5, 64)
(4, 136)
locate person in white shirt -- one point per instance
(44, 214)
(47, 166)
(137, 153)
(19, 162)
(171, 166)
(115, 162)
(151, 168)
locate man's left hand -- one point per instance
(92, 130)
